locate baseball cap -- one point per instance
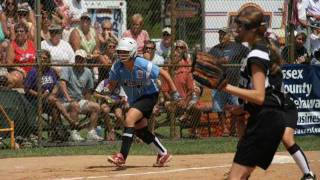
(23, 9)
(85, 15)
(80, 52)
(167, 30)
(55, 27)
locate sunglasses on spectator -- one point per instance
(9, 3)
(180, 47)
(149, 48)
(112, 46)
(22, 14)
(85, 19)
(19, 31)
(166, 34)
(55, 31)
(107, 28)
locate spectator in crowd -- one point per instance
(183, 77)
(76, 9)
(47, 5)
(61, 50)
(187, 111)
(163, 47)
(49, 88)
(316, 57)
(300, 14)
(232, 53)
(45, 24)
(312, 10)
(85, 37)
(21, 51)
(313, 39)
(300, 54)
(107, 57)
(76, 83)
(111, 102)
(48, 80)
(62, 13)
(149, 53)
(107, 33)
(137, 33)
(25, 15)
(9, 17)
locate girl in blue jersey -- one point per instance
(137, 77)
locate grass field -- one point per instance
(182, 146)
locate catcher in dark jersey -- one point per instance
(265, 125)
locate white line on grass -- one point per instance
(147, 173)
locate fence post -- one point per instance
(290, 29)
(38, 44)
(171, 69)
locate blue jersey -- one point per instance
(138, 82)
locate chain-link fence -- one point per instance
(59, 98)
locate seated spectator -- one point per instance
(316, 57)
(300, 14)
(49, 80)
(313, 38)
(107, 33)
(149, 53)
(111, 102)
(76, 9)
(26, 15)
(312, 10)
(21, 51)
(300, 54)
(85, 37)
(232, 53)
(107, 57)
(61, 50)
(49, 89)
(185, 85)
(51, 105)
(45, 24)
(182, 75)
(13, 14)
(77, 83)
(62, 13)
(135, 32)
(163, 47)
(9, 17)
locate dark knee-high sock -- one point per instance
(299, 157)
(127, 138)
(146, 136)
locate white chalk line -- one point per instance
(278, 159)
(147, 173)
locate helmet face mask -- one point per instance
(127, 49)
(123, 55)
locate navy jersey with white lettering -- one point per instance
(138, 82)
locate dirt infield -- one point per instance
(199, 167)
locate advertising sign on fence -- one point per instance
(302, 81)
